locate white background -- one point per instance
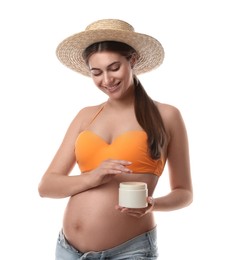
(39, 97)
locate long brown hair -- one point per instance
(146, 111)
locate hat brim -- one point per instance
(150, 51)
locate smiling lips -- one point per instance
(112, 88)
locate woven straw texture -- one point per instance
(150, 51)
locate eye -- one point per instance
(96, 72)
(115, 67)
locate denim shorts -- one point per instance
(140, 247)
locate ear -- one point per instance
(133, 60)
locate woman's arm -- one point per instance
(56, 181)
(181, 193)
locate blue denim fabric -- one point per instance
(141, 247)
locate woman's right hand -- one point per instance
(107, 170)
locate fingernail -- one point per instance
(151, 200)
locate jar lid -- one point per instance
(133, 185)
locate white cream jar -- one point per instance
(133, 194)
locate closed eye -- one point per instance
(96, 72)
(112, 67)
(115, 69)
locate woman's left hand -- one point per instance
(138, 213)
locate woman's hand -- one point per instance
(138, 213)
(108, 169)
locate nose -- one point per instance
(107, 79)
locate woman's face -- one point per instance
(111, 73)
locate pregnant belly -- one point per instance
(91, 221)
(94, 205)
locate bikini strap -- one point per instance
(97, 113)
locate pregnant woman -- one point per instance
(129, 137)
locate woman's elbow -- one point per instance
(42, 189)
(189, 197)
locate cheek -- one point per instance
(127, 73)
(128, 77)
(96, 81)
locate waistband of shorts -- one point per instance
(150, 233)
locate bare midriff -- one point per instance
(91, 222)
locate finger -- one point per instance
(122, 209)
(114, 171)
(118, 167)
(118, 207)
(115, 166)
(122, 162)
(130, 212)
(151, 201)
(137, 214)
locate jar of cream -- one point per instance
(133, 194)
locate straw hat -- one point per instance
(150, 51)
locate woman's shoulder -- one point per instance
(167, 110)
(171, 116)
(85, 114)
(90, 109)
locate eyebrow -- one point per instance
(113, 63)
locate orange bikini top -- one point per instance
(91, 150)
